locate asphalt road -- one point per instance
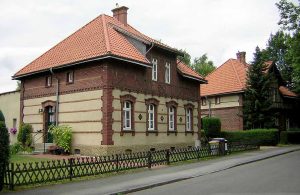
(278, 175)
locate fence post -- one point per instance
(198, 153)
(117, 162)
(71, 168)
(168, 156)
(149, 159)
(11, 176)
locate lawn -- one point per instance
(19, 158)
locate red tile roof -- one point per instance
(102, 37)
(185, 70)
(286, 92)
(230, 77)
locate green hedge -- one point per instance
(264, 137)
(292, 137)
(212, 126)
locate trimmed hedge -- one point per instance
(211, 126)
(264, 137)
(292, 137)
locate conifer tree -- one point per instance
(257, 101)
(4, 151)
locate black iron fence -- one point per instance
(20, 174)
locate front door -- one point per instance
(50, 120)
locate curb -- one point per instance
(135, 189)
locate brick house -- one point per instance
(223, 95)
(117, 88)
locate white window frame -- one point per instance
(188, 119)
(70, 77)
(154, 69)
(127, 110)
(151, 114)
(168, 73)
(48, 81)
(171, 118)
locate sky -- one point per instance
(219, 28)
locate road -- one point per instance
(277, 175)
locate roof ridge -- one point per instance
(107, 44)
(236, 74)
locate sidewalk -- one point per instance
(150, 178)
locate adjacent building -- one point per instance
(222, 97)
(118, 89)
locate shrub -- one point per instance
(211, 126)
(264, 137)
(24, 135)
(15, 148)
(292, 137)
(2, 118)
(4, 151)
(62, 136)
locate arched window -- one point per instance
(189, 117)
(127, 116)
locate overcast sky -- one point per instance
(219, 28)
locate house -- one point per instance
(118, 89)
(10, 107)
(222, 97)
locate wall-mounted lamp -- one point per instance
(41, 110)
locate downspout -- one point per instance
(209, 106)
(152, 45)
(57, 97)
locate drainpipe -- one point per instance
(152, 45)
(57, 96)
(209, 106)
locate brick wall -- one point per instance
(230, 117)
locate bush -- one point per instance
(62, 136)
(24, 135)
(294, 129)
(264, 137)
(292, 137)
(2, 118)
(15, 148)
(4, 151)
(211, 126)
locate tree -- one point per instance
(290, 23)
(257, 101)
(186, 58)
(277, 50)
(203, 66)
(4, 152)
(18, 86)
(2, 118)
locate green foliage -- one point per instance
(257, 100)
(211, 126)
(62, 136)
(203, 66)
(4, 151)
(24, 135)
(265, 137)
(294, 129)
(15, 148)
(290, 23)
(292, 137)
(186, 58)
(2, 118)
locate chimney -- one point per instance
(120, 13)
(241, 56)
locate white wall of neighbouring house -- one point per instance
(10, 107)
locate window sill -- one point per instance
(122, 132)
(69, 83)
(152, 131)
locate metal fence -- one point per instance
(20, 174)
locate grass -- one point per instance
(18, 158)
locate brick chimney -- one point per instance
(120, 13)
(241, 56)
